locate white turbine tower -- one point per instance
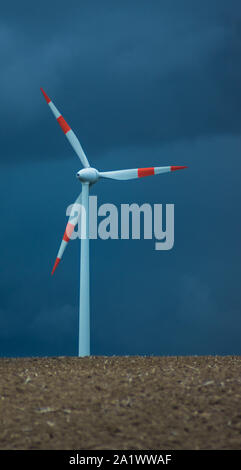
(87, 177)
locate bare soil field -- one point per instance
(117, 403)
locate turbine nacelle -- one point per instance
(88, 175)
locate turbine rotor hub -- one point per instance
(88, 175)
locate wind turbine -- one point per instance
(88, 176)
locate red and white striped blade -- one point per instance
(72, 221)
(138, 172)
(67, 131)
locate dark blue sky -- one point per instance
(142, 84)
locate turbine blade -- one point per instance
(138, 172)
(73, 140)
(177, 167)
(72, 221)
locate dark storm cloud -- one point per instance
(122, 73)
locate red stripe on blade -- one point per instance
(145, 172)
(45, 95)
(68, 232)
(173, 168)
(55, 265)
(63, 124)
